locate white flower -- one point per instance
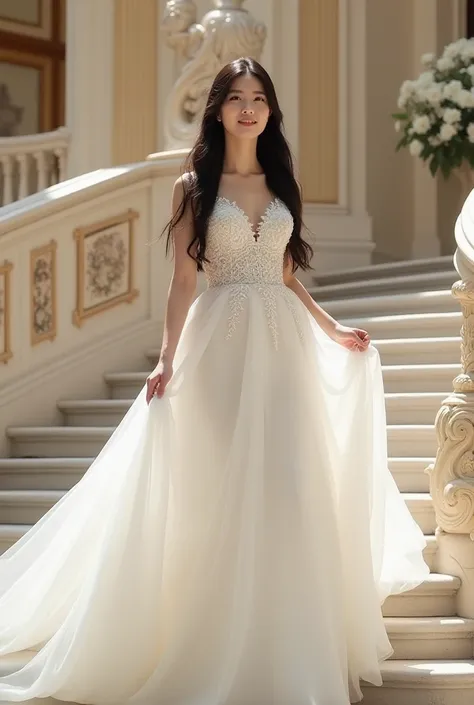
(416, 148)
(452, 115)
(421, 124)
(470, 70)
(452, 90)
(467, 50)
(407, 91)
(398, 126)
(445, 63)
(428, 60)
(465, 99)
(470, 131)
(447, 132)
(433, 94)
(425, 79)
(434, 141)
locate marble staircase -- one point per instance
(415, 323)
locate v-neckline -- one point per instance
(255, 230)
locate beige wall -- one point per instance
(389, 174)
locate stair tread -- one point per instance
(423, 623)
(9, 464)
(105, 404)
(434, 672)
(31, 495)
(88, 432)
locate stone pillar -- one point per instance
(89, 84)
(332, 146)
(135, 80)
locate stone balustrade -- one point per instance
(31, 163)
(452, 473)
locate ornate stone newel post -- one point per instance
(225, 33)
(452, 474)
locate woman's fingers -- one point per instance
(153, 384)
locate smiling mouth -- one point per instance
(247, 122)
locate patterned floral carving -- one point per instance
(224, 33)
(43, 293)
(104, 265)
(5, 350)
(452, 473)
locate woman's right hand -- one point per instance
(157, 380)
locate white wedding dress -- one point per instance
(233, 541)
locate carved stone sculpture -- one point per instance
(452, 473)
(227, 32)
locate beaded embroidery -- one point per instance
(244, 263)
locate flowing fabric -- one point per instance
(234, 541)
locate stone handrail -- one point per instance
(452, 473)
(31, 163)
(83, 285)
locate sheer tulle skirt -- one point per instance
(233, 541)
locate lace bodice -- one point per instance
(243, 259)
(235, 255)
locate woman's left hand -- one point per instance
(354, 339)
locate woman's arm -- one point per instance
(351, 338)
(180, 296)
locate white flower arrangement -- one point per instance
(437, 118)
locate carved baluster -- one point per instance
(7, 170)
(23, 163)
(452, 473)
(61, 155)
(42, 170)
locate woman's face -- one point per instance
(245, 111)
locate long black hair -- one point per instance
(205, 163)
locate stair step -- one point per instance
(379, 297)
(410, 473)
(419, 378)
(95, 412)
(411, 267)
(58, 441)
(413, 407)
(385, 285)
(26, 506)
(10, 534)
(397, 378)
(435, 597)
(409, 325)
(431, 637)
(422, 510)
(435, 682)
(411, 440)
(42, 473)
(402, 351)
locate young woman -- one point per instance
(233, 542)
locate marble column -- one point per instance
(89, 83)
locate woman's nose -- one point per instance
(247, 109)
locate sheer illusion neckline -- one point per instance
(254, 229)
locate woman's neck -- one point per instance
(240, 157)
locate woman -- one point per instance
(233, 542)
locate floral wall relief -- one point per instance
(105, 256)
(43, 293)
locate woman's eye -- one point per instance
(232, 97)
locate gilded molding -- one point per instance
(104, 265)
(43, 288)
